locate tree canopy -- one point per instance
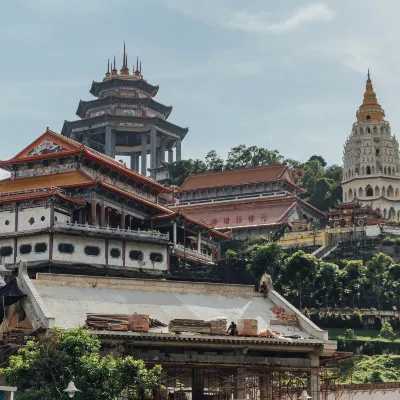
(43, 368)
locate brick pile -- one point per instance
(282, 315)
(247, 327)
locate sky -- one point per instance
(286, 75)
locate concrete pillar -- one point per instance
(93, 219)
(174, 233)
(86, 139)
(170, 156)
(158, 156)
(197, 384)
(102, 215)
(143, 139)
(313, 384)
(109, 145)
(162, 148)
(153, 148)
(199, 241)
(122, 220)
(135, 161)
(240, 392)
(178, 150)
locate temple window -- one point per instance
(66, 248)
(115, 253)
(377, 152)
(377, 191)
(25, 249)
(136, 255)
(368, 170)
(92, 251)
(368, 117)
(41, 247)
(7, 222)
(369, 191)
(156, 257)
(6, 251)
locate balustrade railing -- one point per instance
(203, 255)
(30, 191)
(156, 235)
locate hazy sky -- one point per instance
(287, 75)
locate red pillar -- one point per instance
(93, 220)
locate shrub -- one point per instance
(387, 332)
(349, 334)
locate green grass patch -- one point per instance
(360, 334)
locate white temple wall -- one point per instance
(32, 241)
(365, 395)
(78, 255)
(7, 243)
(115, 244)
(33, 218)
(7, 221)
(60, 217)
(147, 249)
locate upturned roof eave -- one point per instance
(152, 90)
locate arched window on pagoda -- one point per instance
(368, 170)
(390, 191)
(392, 214)
(396, 193)
(384, 191)
(350, 197)
(368, 117)
(357, 171)
(360, 193)
(398, 215)
(382, 130)
(384, 213)
(377, 191)
(385, 170)
(368, 130)
(369, 191)
(345, 197)
(389, 171)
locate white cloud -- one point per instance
(221, 14)
(318, 12)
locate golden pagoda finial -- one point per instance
(370, 108)
(123, 61)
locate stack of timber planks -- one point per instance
(122, 322)
(190, 325)
(218, 326)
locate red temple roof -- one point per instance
(237, 177)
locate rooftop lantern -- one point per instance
(304, 395)
(71, 389)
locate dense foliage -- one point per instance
(44, 367)
(367, 369)
(311, 283)
(322, 182)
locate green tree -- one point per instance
(180, 170)
(264, 257)
(253, 156)
(353, 278)
(320, 159)
(214, 162)
(44, 367)
(298, 276)
(377, 272)
(327, 284)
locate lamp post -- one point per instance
(71, 389)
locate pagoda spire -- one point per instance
(114, 71)
(125, 69)
(370, 109)
(108, 74)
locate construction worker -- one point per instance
(232, 330)
(263, 289)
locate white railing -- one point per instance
(107, 229)
(195, 253)
(27, 191)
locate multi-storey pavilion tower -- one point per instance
(371, 160)
(124, 119)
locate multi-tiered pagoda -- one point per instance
(124, 119)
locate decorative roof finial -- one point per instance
(124, 68)
(137, 63)
(369, 76)
(123, 61)
(140, 68)
(114, 70)
(108, 69)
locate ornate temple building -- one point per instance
(66, 204)
(124, 119)
(249, 202)
(371, 170)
